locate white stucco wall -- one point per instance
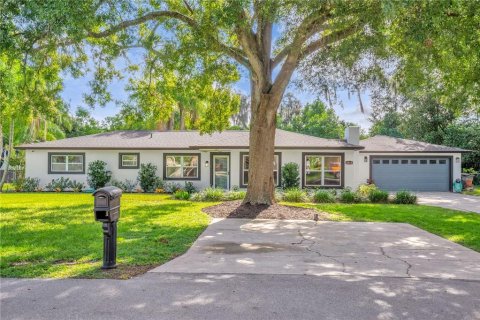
(37, 164)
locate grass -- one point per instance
(54, 235)
(457, 226)
(474, 192)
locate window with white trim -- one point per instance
(181, 166)
(322, 170)
(246, 166)
(67, 163)
(129, 160)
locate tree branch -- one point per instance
(314, 29)
(233, 52)
(327, 40)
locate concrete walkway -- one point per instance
(240, 246)
(450, 200)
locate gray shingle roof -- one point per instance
(186, 140)
(390, 144)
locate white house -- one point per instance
(221, 159)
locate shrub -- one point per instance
(129, 185)
(118, 184)
(323, 196)
(348, 196)
(235, 195)
(377, 196)
(294, 195)
(190, 187)
(405, 197)
(147, 177)
(290, 176)
(18, 184)
(364, 190)
(235, 188)
(196, 197)
(76, 186)
(171, 187)
(181, 195)
(212, 194)
(58, 185)
(126, 186)
(98, 175)
(30, 184)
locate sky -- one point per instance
(75, 88)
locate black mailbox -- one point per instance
(107, 204)
(106, 208)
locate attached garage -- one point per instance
(411, 173)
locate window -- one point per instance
(385, 161)
(442, 161)
(394, 161)
(405, 161)
(181, 166)
(433, 161)
(244, 159)
(66, 163)
(423, 161)
(129, 160)
(376, 161)
(322, 170)
(413, 161)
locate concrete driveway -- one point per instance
(240, 246)
(450, 200)
(254, 269)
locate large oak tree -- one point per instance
(268, 38)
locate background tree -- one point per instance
(318, 120)
(289, 108)
(241, 119)
(81, 124)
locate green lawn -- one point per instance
(55, 235)
(474, 192)
(457, 226)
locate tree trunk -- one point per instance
(182, 116)
(171, 122)
(45, 130)
(261, 185)
(7, 157)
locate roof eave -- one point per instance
(418, 151)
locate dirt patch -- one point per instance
(121, 272)
(235, 209)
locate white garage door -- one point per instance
(414, 174)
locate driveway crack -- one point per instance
(309, 248)
(409, 266)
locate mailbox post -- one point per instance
(107, 210)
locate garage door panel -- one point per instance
(414, 175)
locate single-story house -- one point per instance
(221, 159)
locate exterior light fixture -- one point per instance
(206, 163)
(457, 159)
(365, 159)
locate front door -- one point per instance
(221, 171)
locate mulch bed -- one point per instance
(235, 209)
